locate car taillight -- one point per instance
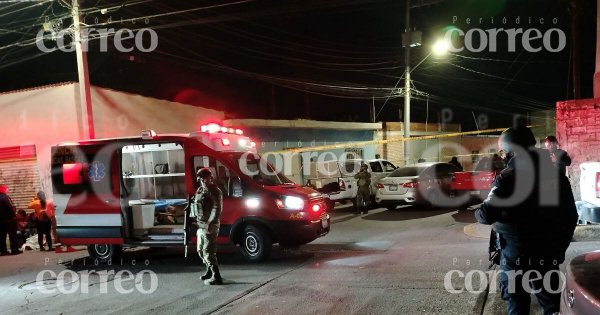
(316, 208)
(342, 184)
(597, 185)
(411, 185)
(379, 186)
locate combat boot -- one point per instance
(208, 274)
(216, 276)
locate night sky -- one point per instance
(324, 60)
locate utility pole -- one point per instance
(85, 98)
(576, 48)
(597, 72)
(406, 126)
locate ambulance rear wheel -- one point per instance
(255, 243)
(104, 253)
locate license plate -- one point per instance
(475, 193)
(393, 187)
(324, 223)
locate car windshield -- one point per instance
(265, 175)
(407, 171)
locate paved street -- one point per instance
(386, 262)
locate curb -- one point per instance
(583, 233)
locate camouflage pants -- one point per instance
(206, 244)
(362, 196)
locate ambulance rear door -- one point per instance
(85, 180)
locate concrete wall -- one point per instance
(51, 114)
(578, 132)
(122, 114)
(431, 150)
(481, 144)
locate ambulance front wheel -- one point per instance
(104, 253)
(255, 243)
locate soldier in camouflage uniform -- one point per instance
(363, 181)
(209, 202)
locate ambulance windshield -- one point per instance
(261, 172)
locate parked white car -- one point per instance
(589, 184)
(416, 184)
(336, 178)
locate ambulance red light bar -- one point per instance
(148, 134)
(214, 128)
(225, 141)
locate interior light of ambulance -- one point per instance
(73, 174)
(225, 141)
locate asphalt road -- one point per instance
(385, 262)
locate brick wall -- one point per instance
(578, 132)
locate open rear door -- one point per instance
(86, 186)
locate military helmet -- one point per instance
(203, 172)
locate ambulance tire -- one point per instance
(105, 253)
(255, 243)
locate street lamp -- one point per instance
(439, 48)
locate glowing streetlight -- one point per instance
(440, 47)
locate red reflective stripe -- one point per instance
(89, 241)
(18, 152)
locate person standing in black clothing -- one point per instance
(454, 161)
(532, 212)
(8, 223)
(560, 158)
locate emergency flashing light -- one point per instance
(148, 134)
(214, 128)
(252, 144)
(225, 141)
(243, 142)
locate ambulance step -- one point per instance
(164, 237)
(156, 243)
(166, 229)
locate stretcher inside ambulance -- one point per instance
(125, 192)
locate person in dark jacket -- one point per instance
(454, 161)
(8, 223)
(560, 158)
(532, 210)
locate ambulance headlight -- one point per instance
(293, 203)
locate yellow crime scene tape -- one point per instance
(395, 139)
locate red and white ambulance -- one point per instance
(125, 192)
